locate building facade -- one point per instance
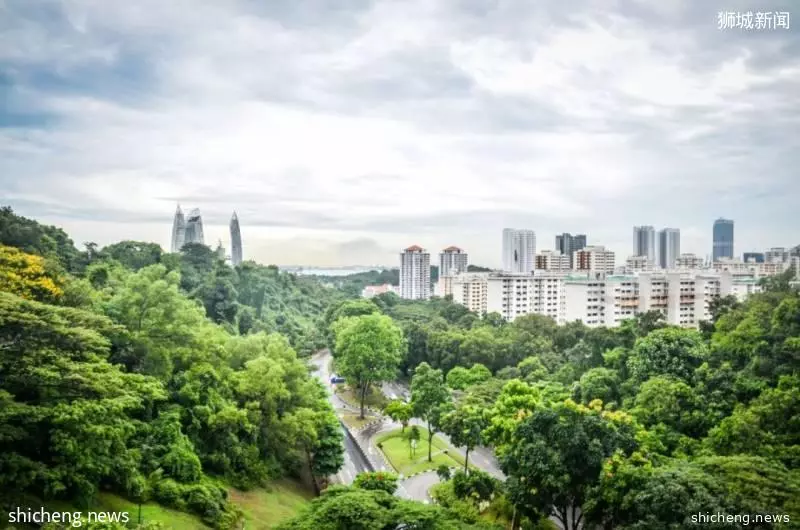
(637, 264)
(689, 261)
(567, 244)
(374, 290)
(471, 290)
(552, 260)
(452, 260)
(753, 257)
(723, 239)
(519, 250)
(644, 242)
(415, 273)
(669, 247)
(236, 241)
(593, 259)
(777, 255)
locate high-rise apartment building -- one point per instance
(753, 257)
(723, 239)
(452, 260)
(552, 260)
(415, 273)
(638, 264)
(777, 255)
(594, 258)
(644, 242)
(236, 241)
(519, 250)
(669, 247)
(178, 230)
(567, 244)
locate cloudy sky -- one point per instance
(344, 130)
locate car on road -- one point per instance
(337, 379)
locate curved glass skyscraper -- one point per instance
(194, 228)
(236, 241)
(178, 230)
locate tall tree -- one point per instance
(465, 426)
(430, 398)
(368, 350)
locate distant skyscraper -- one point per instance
(178, 230)
(519, 250)
(567, 244)
(644, 243)
(723, 239)
(415, 273)
(194, 228)
(669, 247)
(220, 251)
(452, 260)
(236, 241)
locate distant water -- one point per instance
(309, 271)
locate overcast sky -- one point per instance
(342, 131)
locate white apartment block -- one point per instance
(519, 250)
(777, 255)
(552, 260)
(470, 290)
(415, 273)
(738, 267)
(594, 259)
(452, 260)
(599, 299)
(637, 264)
(374, 290)
(689, 261)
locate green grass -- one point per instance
(375, 397)
(352, 420)
(395, 447)
(264, 508)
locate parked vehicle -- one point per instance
(337, 379)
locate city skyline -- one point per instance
(343, 132)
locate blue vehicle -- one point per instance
(337, 379)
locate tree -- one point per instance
(668, 351)
(556, 455)
(516, 401)
(399, 411)
(465, 427)
(26, 275)
(458, 378)
(429, 398)
(598, 383)
(368, 350)
(328, 450)
(413, 438)
(34, 238)
(134, 255)
(377, 481)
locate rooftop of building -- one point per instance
(452, 248)
(414, 248)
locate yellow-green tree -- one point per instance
(26, 276)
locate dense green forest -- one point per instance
(640, 426)
(156, 376)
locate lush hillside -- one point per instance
(141, 375)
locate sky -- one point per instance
(342, 131)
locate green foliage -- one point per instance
(368, 350)
(668, 351)
(465, 426)
(34, 238)
(430, 399)
(353, 284)
(377, 481)
(134, 255)
(598, 383)
(27, 276)
(399, 411)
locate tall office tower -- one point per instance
(415, 273)
(669, 247)
(519, 250)
(644, 243)
(236, 241)
(567, 244)
(178, 230)
(723, 239)
(452, 260)
(194, 228)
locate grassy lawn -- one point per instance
(375, 397)
(352, 420)
(266, 507)
(395, 447)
